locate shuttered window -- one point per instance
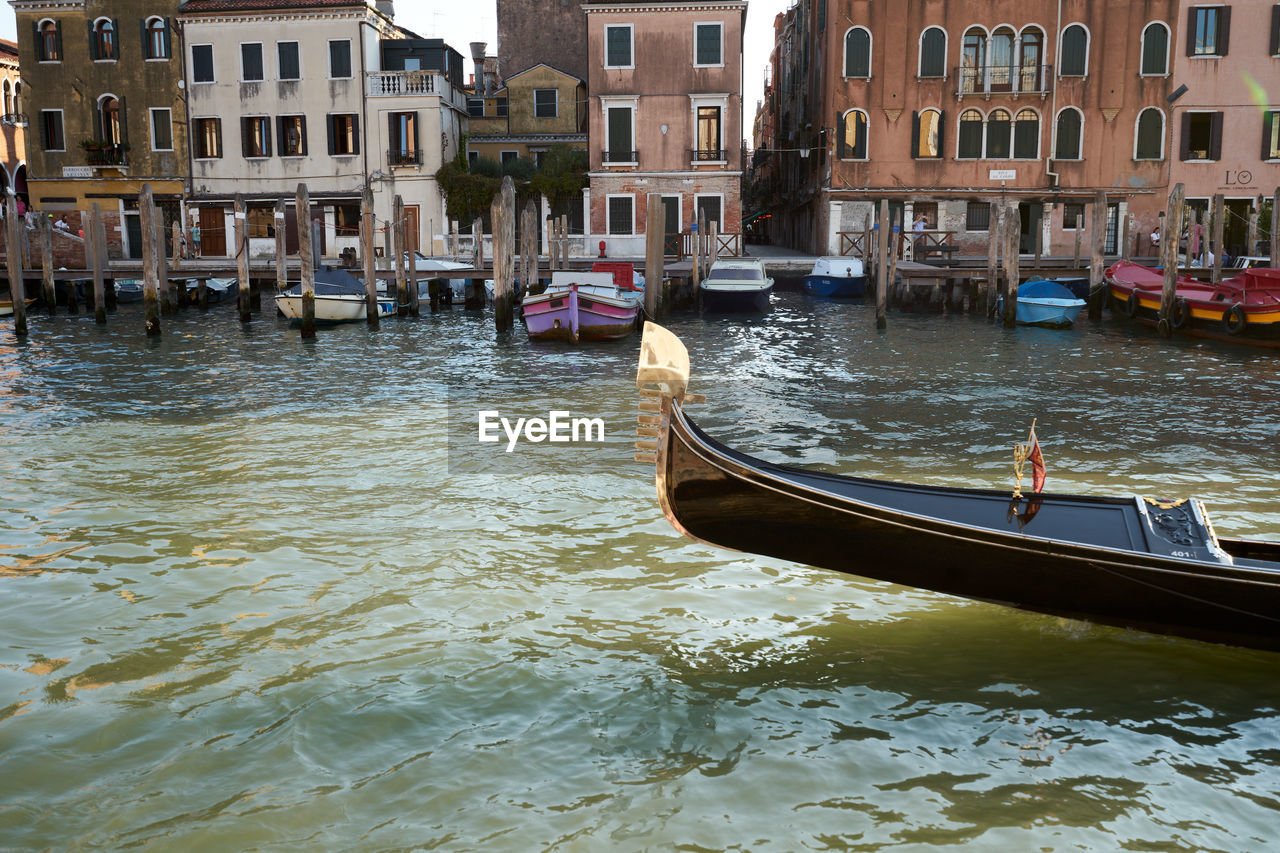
(344, 135)
(1150, 142)
(619, 149)
(1026, 135)
(707, 44)
(1155, 49)
(202, 63)
(1201, 136)
(251, 62)
(857, 53)
(51, 136)
(1074, 60)
(1070, 124)
(969, 140)
(853, 135)
(287, 61)
(999, 129)
(1271, 135)
(933, 53)
(340, 59)
(208, 138)
(926, 133)
(255, 138)
(293, 136)
(546, 103)
(1208, 30)
(617, 46)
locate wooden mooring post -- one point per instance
(503, 215)
(1097, 256)
(150, 282)
(867, 256)
(529, 248)
(94, 255)
(1012, 244)
(1169, 249)
(411, 274)
(1075, 265)
(168, 289)
(882, 267)
(282, 254)
(305, 258)
(477, 241)
(1218, 203)
(993, 257)
(13, 254)
(654, 235)
(46, 268)
(397, 251)
(242, 258)
(368, 225)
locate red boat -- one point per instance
(1243, 309)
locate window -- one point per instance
(293, 136)
(475, 107)
(1026, 135)
(1207, 30)
(340, 59)
(973, 60)
(202, 63)
(155, 39)
(1070, 213)
(1073, 60)
(857, 53)
(933, 52)
(473, 158)
(927, 134)
(707, 41)
(251, 62)
(546, 103)
(621, 214)
(49, 41)
(109, 119)
(977, 216)
(261, 221)
(999, 127)
(509, 157)
(618, 121)
(1275, 30)
(709, 134)
(1271, 135)
(1201, 136)
(103, 40)
(1155, 49)
(344, 135)
(255, 136)
(288, 67)
(161, 129)
(403, 134)
(1070, 125)
(1149, 141)
(208, 138)
(969, 141)
(707, 207)
(852, 143)
(617, 46)
(346, 220)
(501, 106)
(51, 138)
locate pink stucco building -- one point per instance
(665, 116)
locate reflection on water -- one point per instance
(255, 598)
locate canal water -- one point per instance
(258, 593)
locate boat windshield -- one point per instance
(736, 274)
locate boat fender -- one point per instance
(1130, 308)
(1233, 320)
(1181, 314)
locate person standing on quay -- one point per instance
(195, 239)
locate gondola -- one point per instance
(1151, 565)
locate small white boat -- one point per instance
(839, 277)
(735, 284)
(216, 289)
(339, 298)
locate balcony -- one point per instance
(14, 119)
(1004, 80)
(391, 84)
(404, 157)
(707, 155)
(620, 157)
(107, 155)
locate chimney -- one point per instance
(477, 56)
(386, 7)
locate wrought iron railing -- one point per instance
(705, 155)
(404, 157)
(614, 156)
(107, 155)
(1004, 79)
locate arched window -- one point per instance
(969, 139)
(1001, 60)
(1149, 138)
(853, 135)
(104, 39)
(933, 52)
(1070, 127)
(109, 119)
(157, 36)
(1073, 58)
(857, 52)
(8, 98)
(1031, 60)
(999, 129)
(17, 97)
(927, 139)
(1026, 135)
(50, 42)
(973, 60)
(1155, 49)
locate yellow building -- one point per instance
(534, 110)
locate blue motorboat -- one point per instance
(837, 277)
(1045, 303)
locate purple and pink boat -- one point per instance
(580, 306)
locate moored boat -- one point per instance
(1242, 309)
(582, 307)
(735, 284)
(1045, 303)
(1151, 565)
(6, 305)
(339, 298)
(837, 277)
(216, 289)
(128, 290)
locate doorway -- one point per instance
(1029, 218)
(213, 232)
(412, 228)
(1235, 227)
(671, 225)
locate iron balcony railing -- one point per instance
(1004, 79)
(404, 157)
(709, 155)
(107, 155)
(384, 84)
(614, 156)
(19, 119)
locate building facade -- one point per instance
(665, 116)
(942, 108)
(1226, 116)
(533, 32)
(13, 124)
(105, 107)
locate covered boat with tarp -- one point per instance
(340, 298)
(1243, 309)
(1149, 564)
(1045, 303)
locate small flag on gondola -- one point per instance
(1037, 461)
